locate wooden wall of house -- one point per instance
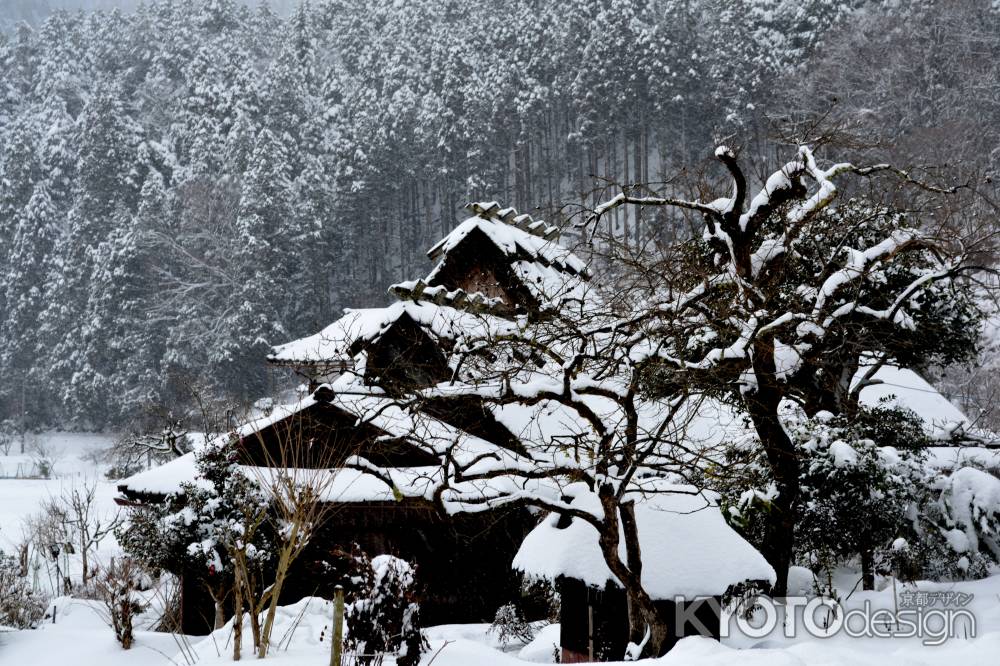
(476, 264)
(405, 358)
(463, 562)
(594, 621)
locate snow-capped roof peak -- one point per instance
(514, 234)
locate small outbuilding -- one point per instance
(690, 556)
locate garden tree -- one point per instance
(21, 606)
(955, 528)
(294, 476)
(87, 527)
(785, 293)
(384, 616)
(214, 530)
(934, 105)
(861, 480)
(69, 522)
(116, 587)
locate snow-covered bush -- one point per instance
(971, 498)
(859, 478)
(21, 607)
(955, 528)
(509, 625)
(385, 617)
(117, 586)
(212, 530)
(866, 494)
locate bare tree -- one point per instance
(87, 525)
(590, 443)
(295, 473)
(71, 523)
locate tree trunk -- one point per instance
(237, 618)
(84, 560)
(255, 606)
(782, 457)
(643, 614)
(284, 561)
(220, 612)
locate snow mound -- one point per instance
(974, 499)
(302, 626)
(543, 647)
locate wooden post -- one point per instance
(337, 643)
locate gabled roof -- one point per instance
(368, 409)
(344, 338)
(517, 236)
(526, 251)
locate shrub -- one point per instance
(20, 606)
(386, 615)
(116, 587)
(509, 625)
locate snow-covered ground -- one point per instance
(79, 637)
(73, 461)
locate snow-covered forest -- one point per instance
(189, 183)
(349, 332)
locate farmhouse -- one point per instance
(495, 269)
(497, 264)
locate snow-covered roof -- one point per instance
(905, 388)
(347, 485)
(550, 271)
(513, 235)
(164, 479)
(385, 414)
(336, 342)
(687, 548)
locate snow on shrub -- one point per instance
(385, 617)
(860, 477)
(20, 606)
(972, 498)
(509, 625)
(117, 587)
(955, 528)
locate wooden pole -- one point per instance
(337, 644)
